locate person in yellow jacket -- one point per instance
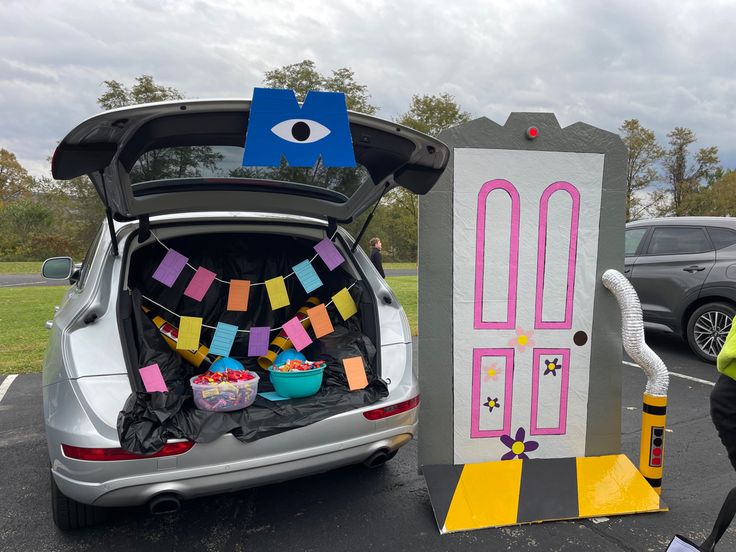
(723, 397)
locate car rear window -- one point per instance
(633, 239)
(225, 162)
(722, 237)
(674, 240)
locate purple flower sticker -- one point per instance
(552, 367)
(518, 447)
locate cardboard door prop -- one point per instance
(520, 346)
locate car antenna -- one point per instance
(108, 214)
(370, 217)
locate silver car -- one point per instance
(684, 270)
(170, 177)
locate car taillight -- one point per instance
(392, 410)
(106, 454)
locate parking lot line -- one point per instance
(675, 374)
(6, 384)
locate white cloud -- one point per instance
(666, 63)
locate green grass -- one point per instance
(21, 267)
(23, 315)
(405, 288)
(400, 266)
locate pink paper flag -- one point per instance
(152, 379)
(329, 253)
(200, 283)
(297, 334)
(170, 267)
(258, 340)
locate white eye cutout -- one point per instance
(300, 131)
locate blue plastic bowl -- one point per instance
(296, 385)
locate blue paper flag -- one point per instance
(307, 276)
(223, 339)
(278, 126)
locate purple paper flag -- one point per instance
(297, 334)
(258, 341)
(170, 268)
(152, 378)
(329, 253)
(200, 283)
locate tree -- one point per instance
(643, 154)
(432, 114)
(15, 182)
(717, 199)
(145, 90)
(684, 176)
(303, 76)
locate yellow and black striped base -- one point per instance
(493, 494)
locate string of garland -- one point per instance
(279, 328)
(292, 273)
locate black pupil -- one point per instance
(300, 131)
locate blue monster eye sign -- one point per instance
(278, 126)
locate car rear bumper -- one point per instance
(189, 483)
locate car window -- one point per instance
(677, 240)
(84, 269)
(633, 239)
(722, 237)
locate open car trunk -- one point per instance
(149, 419)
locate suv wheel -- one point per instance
(69, 514)
(707, 329)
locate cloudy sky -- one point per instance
(665, 63)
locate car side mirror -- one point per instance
(57, 268)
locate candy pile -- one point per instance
(296, 365)
(227, 375)
(224, 391)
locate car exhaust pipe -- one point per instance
(164, 504)
(654, 409)
(378, 458)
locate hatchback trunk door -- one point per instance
(185, 156)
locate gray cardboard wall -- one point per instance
(435, 360)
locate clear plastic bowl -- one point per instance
(225, 396)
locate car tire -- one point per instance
(69, 514)
(707, 329)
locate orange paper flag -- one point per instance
(320, 321)
(237, 300)
(355, 371)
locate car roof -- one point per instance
(684, 221)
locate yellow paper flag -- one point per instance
(277, 295)
(344, 303)
(189, 329)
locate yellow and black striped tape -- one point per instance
(492, 494)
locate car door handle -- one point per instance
(693, 268)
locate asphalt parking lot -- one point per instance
(381, 509)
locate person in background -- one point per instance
(723, 397)
(376, 256)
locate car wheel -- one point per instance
(707, 329)
(69, 514)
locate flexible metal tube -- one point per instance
(658, 378)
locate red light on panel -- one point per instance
(532, 132)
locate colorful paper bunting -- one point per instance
(258, 340)
(344, 303)
(200, 283)
(320, 320)
(223, 339)
(152, 378)
(190, 328)
(297, 334)
(355, 372)
(277, 294)
(307, 276)
(171, 266)
(329, 253)
(237, 299)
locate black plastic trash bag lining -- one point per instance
(149, 419)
